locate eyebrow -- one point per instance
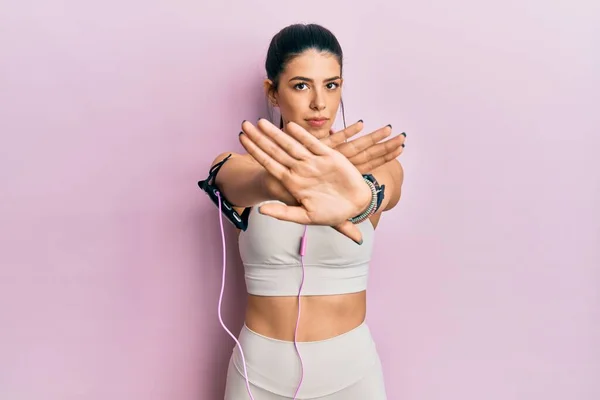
(302, 78)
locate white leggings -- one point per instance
(345, 367)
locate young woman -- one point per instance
(314, 202)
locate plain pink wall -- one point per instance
(485, 280)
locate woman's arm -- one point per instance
(244, 182)
(391, 175)
(241, 180)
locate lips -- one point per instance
(317, 122)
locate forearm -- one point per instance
(391, 175)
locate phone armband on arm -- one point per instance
(215, 195)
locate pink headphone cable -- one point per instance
(221, 297)
(302, 252)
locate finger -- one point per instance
(350, 230)
(374, 162)
(311, 143)
(367, 141)
(337, 138)
(284, 141)
(285, 213)
(271, 165)
(379, 161)
(377, 150)
(262, 141)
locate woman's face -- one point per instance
(309, 91)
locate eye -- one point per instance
(332, 85)
(300, 85)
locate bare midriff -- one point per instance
(321, 317)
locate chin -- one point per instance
(319, 132)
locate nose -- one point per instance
(318, 101)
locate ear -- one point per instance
(270, 92)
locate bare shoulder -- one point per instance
(223, 156)
(243, 157)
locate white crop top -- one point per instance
(334, 264)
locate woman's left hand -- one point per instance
(368, 152)
(328, 187)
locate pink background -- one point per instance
(485, 281)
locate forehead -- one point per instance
(314, 64)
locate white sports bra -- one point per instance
(334, 264)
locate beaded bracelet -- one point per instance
(372, 206)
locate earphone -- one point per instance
(302, 253)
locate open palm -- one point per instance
(366, 153)
(327, 186)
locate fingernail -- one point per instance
(359, 243)
(403, 133)
(390, 125)
(402, 144)
(240, 134)
(360, 120)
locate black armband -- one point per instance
(208, 185)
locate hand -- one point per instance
(328, 188)
(366, 152)
(276, 190)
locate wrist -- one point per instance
(366, 195)
(368, 202)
